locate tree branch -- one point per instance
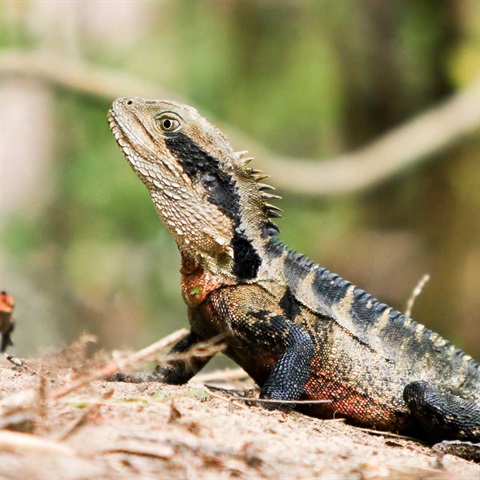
(414, 142)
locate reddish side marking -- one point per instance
(349, 403)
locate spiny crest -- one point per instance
(241, 160)
(272, 211)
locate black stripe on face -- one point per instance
(200, 166)
(221, 192)
(193, 158)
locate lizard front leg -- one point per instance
(290, 374)
(274, 350)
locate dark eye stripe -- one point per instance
(201, 166)
(222, 192)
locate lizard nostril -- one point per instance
(129, 102)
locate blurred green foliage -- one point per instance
(305, 78)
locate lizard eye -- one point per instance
(168, 123)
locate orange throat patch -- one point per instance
(198, 284)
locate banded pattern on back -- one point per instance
(374, 324)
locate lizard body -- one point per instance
(300, 331)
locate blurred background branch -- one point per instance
(416, 140)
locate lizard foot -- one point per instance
(465, 450)
(439, 415)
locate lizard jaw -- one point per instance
(172, 202)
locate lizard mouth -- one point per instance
(115, 127)
(111, 119)
(119, 134)
(124, 141)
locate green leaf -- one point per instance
(196, 290)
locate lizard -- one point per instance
(300, 331)
(7, 305)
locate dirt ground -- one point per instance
(145, 431)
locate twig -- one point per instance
(414, 142)
(238, 396)
(231, 400)
(29, 398)
(386, 434)
(27, 443)
(222, 375)
(128, 362)
(162, 452)
(280, 402)
(416, 292)
(72, 426)
(201, 349)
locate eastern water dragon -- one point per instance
(300, 331)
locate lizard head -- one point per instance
(206, 195)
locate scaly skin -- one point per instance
(300, 331)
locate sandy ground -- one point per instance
(145, 431)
